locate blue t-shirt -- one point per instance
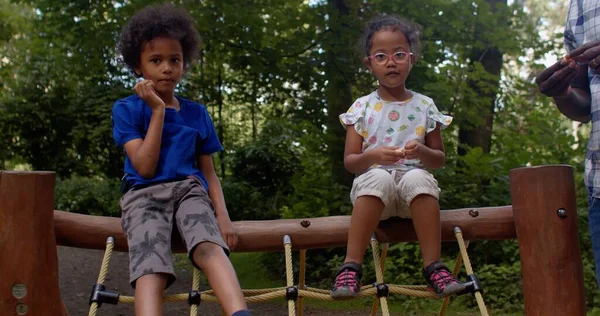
(186, 133)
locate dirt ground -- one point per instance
(79, 268)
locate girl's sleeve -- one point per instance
(354, 116)
(434, 116)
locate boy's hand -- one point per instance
(413, 149)
(145, 90)
(387, 155)
(227, 230)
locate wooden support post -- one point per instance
(28, 257)
(545, 217)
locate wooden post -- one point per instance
(545, 215)
(28, 257)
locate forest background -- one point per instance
(275, 75)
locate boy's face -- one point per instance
(161, 61)
(390, 73)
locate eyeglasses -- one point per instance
(382, 59)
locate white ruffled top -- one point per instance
(393, 123)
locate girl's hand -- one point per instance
(227, 230)
(145, 90)
(413, 149)
(387, 155)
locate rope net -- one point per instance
(295, 295)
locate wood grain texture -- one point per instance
(549, 246)
(493, 223)
(28, 257)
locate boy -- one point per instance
(169, 174)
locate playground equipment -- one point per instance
(543, 217)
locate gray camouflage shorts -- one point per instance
(147, 220)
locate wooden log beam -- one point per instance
(492, 223)
(28, 258)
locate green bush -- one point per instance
(92, 196)
(245, 202)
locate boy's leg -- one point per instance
(371, 193)
(215, 264)
(208, 251)
(148, 294)
(147, 221)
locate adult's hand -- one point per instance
(588, 53)
(554, 81)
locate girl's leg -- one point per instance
(365, 217)
(213, 261)
(370, 190)
(420, 188)
(425, 212)
(149, 294)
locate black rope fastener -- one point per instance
(291, 293)
(100, 295)
(472, 285)
(194, 297)
(382, 290)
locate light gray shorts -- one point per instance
(147, 218)
(396, 189)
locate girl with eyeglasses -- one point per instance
(393, 136)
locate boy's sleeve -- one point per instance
(124, 124)
(210, 144)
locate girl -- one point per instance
(392, 135)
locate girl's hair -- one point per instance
(394, 23)
(159, 21)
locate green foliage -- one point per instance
(90, 196)
(315, 192)
(274, 76)
(502, 285)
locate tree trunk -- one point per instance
(220, 130)
(340, 58)
(479, 134)
(253, 107)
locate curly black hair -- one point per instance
(153, 21)
(411, 30)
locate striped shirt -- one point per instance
(583, 26)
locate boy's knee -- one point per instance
(205, 251)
